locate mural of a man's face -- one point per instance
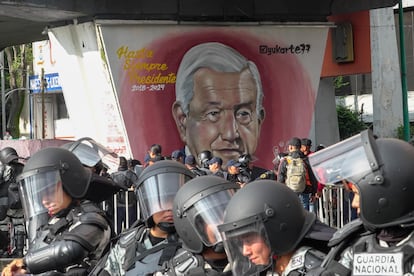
(222, 114)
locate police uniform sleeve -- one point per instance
(79, 242)
(57, 256)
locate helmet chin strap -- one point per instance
(167, 227)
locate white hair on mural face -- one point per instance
(218, 57)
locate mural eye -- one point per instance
(212, 116)
(244, 116)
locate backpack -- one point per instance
(295, 174)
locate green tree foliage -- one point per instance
(340, 81)
(400, 132)
(17, 61)
(349, 122)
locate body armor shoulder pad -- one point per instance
(314, 258)
(131, 236)
(88, 206)
(346, 231)
(95, 219)
(303, 260)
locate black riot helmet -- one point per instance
(92, 154)
(95, 156)
(199, 208)
(381, 169)
(7, 155)
(245, 159)
(46, 170)
(265, 211)
(157, 186)
(204, 157)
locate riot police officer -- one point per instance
(143, 248)
(198, 209)
(203, 158)
(381, 170)
(125, 200)
(245, 167)
(95, 157)
(92, 154)
(12, 224)
(266, 231)
(54, 181)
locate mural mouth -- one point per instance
(228, 153)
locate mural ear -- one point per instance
(183, 122)
(261, 115)
(180, 119)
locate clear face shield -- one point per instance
(41, 195)
(353, 159)
(247, 246)
(157, 192)
(207, 213)
(38, 189)
(90, 153)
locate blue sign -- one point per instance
(52, 81)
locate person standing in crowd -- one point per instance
(135, 166)
(126, 202)
(104, 172)
(295, 172)
(7, 136)
(191, 164)
(95, 156)
(381, 241)
(142, 249)
(152, 160)
(305, 146)
(154, 154)
(12, 223)
(272, 232)
(198, 209)
(219, 102)
(311, 182)
(203, 159)
(214, 165)
(246, 167)
(272, 174)
(233, 173)
(77, 233)
(178, 156)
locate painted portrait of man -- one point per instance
(232, 90)
(218, 103)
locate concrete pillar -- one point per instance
(325, 120)
(386, 76)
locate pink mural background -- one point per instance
(288, 94)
